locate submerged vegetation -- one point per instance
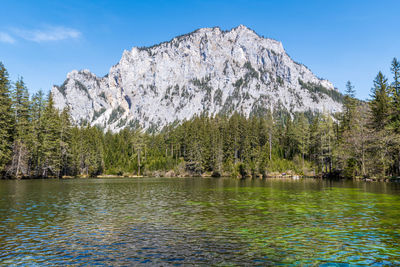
(36, 140)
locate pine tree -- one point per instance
(137, 141)
(316, 153)
(359, 137)
(395, 95)
(380, 115)
(51, 163)
(21, 107)
(327, 141)
(65, 142)
(380, 103)
(269, 123)
(6, 119)
(302, 135)
(217, 148)
(92, 160)
(395, 112)
(352, 152)
(347, 159)
(395, 68)
(349, 106)
(35, 141)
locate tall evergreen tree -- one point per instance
(395, 112)
(395, 91)
(6, 119)
(35, 141)
(65, 141)
(349, 106)
(51, 163)
(380, 103)
(382, 143)
(21, 106)
(302, 135)
(316, 151)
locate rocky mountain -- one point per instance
(208, 70)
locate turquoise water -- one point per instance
(202, 221)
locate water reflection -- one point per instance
(160, 221)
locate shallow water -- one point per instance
(160, 221)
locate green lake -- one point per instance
(200, 221)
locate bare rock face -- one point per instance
(208, 70)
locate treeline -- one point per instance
(37, 140)
(369, 140)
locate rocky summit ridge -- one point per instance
(207, 71)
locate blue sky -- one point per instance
(338, 40)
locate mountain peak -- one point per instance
(208, 70)
(242, 27)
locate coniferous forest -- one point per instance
(38, 141)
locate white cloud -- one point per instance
(48, 34)
(6, 38)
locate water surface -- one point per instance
(162, 221)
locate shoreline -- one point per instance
(208, 175)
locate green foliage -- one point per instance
(122, 123)
(238, 83)
(218, 97)
(349, 106)
(50, 163)
(280, 80)
(380, 103)
(395, 93)
(97, 114)
(203, 84)
(6, 119)
(251, 72)
(21, 108)
(103, 95)
(38, 140)
(241, 169)
(42, 141)
(319, 90)
(116, 114)
(351, 168)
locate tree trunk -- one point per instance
(139, 162)
(18, 161)
(363, 160)
(176, 156)
(398, 165)
(270, 146)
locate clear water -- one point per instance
(184, 221)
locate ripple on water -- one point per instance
(198, 221)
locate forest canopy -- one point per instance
(37, 140)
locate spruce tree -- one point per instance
(349, 106)
(315, 150)
(395, 112)
(51, 140)
(380, 103)
(269, 124)
(380, 106)
(349, 125)
(302, 135)
(21, 106)
(6, 119)
(35, 142)
(65, 142)
(395, 91)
